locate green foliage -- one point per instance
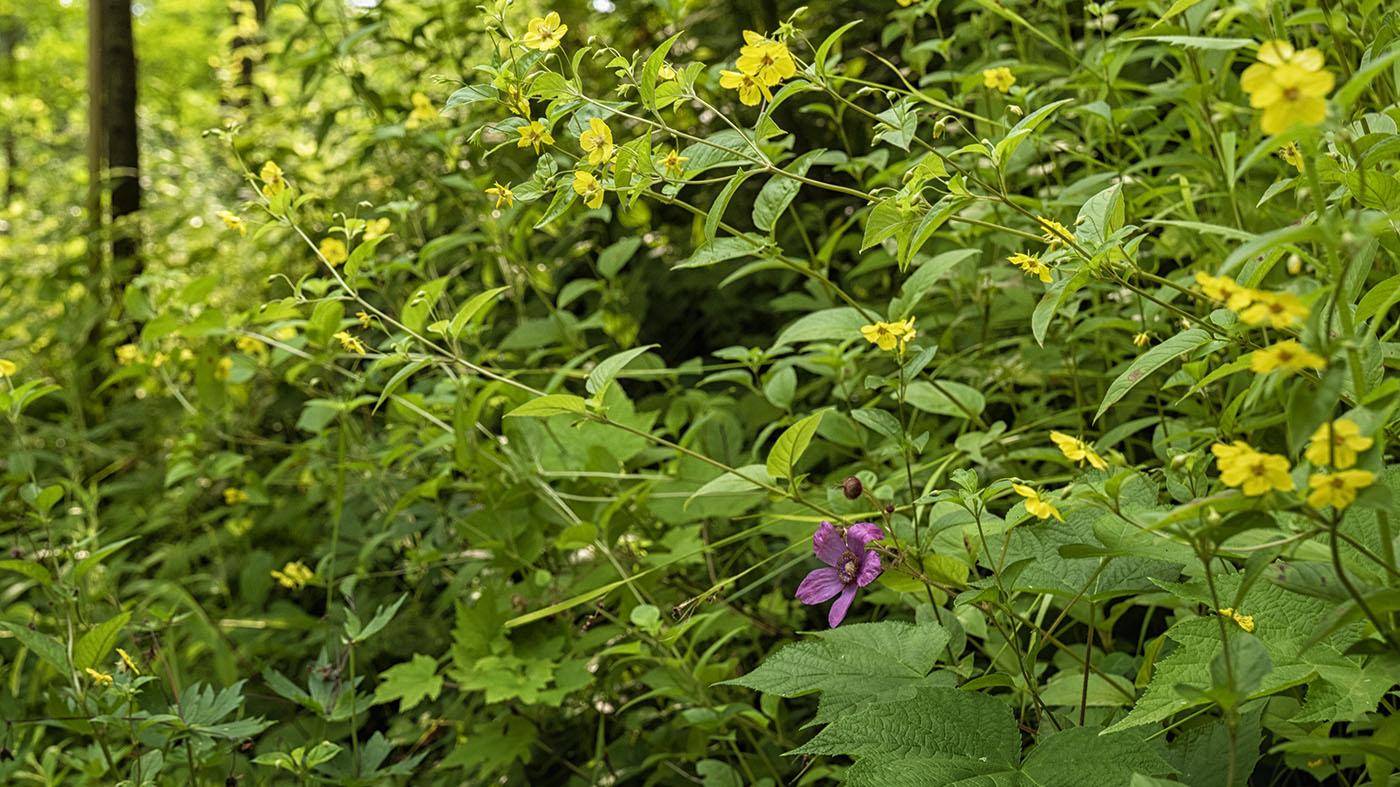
(422, 444)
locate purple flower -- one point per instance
(851, 566)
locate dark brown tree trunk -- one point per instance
(11, 33)
(123, 147)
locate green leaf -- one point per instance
(718, 250)
(1149, 362)
(551, 404)
(780, 190)
(409, 682)
(476, 307)
(949, 398)
(1198, 42)
(746, 482)
(97, 643)
(608, 368)
(792, 443)
(617, 255)
(34, 571)
(40, 644)
(841, 323)
(1101, 215)
(840, 659)
(819, 61)
(652, 67)
(1084, 755)
(721, 204)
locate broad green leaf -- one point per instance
(721, 204)
(946, 397)
(551, 404)
(608, 368)
(476, 307)
(1149, 362)
(97, 643)
(40, 644)
(718, 250)
(780, 190)
(838, 324)
(791, 444)
(409, 682)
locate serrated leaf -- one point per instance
(409, 682)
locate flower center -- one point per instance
(848, 567)
(1291, 93)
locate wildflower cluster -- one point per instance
(1291, 86)
(890, 335)
(763, 64)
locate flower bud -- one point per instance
(1213, 518)
(889, 508)
(852, 488)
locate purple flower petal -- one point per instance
(828, 545)
(820, 585)
(843, 603)
(870, 568)
(862, 533)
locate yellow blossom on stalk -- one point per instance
(764, 59)
(363, 318)
(1278, 309)
(517, 101)
(1056, 234)
(350, 342)
(1036, 505)
(1141, 340)
(545, 32)
(271, 176)
(223, 368)
(99, 678)
(128, 661)
(8, 367)
(293, 576)
(1337, 489)
(907, 333)
(1252, 471)
(127, 354)
(1288, 356)
(1225, 290)
(1077, 450)
(233, 222)
(1000, 79)
(1337, 444)
(376, 228)
(751, 91)
(885, 335)
(1245, 622)
(588, 187)
(233, 496)
(1290, 86)
(674, 163)
(503, 194)
(285, 334)
(334, 250)
(423, 111)
(597, 142)
(534, 135)
(1031, 266)
(666, 72)
(1291, 156)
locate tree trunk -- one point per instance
(123, 148)
(96, 142)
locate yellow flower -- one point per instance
(271, 176)
(1077, 450)
(1225, 290)
(233, 496)
(1245, 622)
(99, 678)
(666, 72)
(127, 354)
(534, 135)
(350, 343)
(128, 661)
(1036, 505)
(285, 334)
(1289, 356)
(1141, 340)
(907, 333)
(588, 187)
(376, 228)
(221, 371)
(363, 318)
(545, 32)
(1291, 155)
(1056, 234)
(1290, 86)
(751, 91)
(904, 3)
(250, 345)
(597, 142)
(293, 575)
(765, 60)
(999, 79)
(886, 335)
(1031, 265)
(7, 367)
(674, 163)
(1278, 309)
(423, 111)
(334, 250)
(1337, 489)
(233, 222)
(1340, 447)
(503, 194)
(1252, 471)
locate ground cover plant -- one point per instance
(910, 393)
